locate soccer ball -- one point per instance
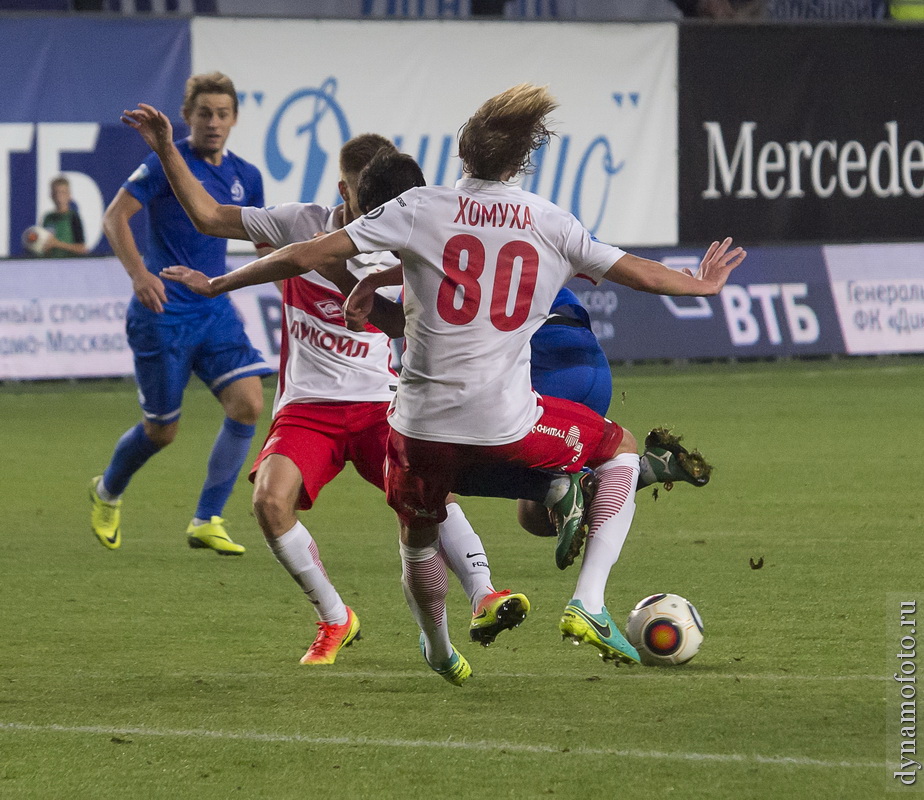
(35, 238)
(665, 629)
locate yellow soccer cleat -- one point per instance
(105, 518)
(498, 611)
(212, 534)
(456, 670)
(331, 639)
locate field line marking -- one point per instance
(653, 674)
(451, 744)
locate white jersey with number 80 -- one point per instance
(483, 262)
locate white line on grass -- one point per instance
(450, 744)
(615, 673)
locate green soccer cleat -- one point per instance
(105, 518)
(599, 630)
(212, 534)
(665, 461)
(569, 516)
(498, 611)
(457, 670)
(331, 639)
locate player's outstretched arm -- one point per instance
(652, 276)
(206, 213)
(327, 256)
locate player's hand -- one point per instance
(149, 289)
(718, 263)
(53, 242)
(152, 124)
(358, 306)
(190, 278)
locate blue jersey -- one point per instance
(567, 360)
(566, 304)
(172, 238)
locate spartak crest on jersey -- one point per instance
(329, 309)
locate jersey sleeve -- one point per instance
(387, 227)
(273, 226)
(588, 257)
(148, 181)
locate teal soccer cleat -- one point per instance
(598, 630)
(457, 670)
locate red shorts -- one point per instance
(321, 437)
(419, 474)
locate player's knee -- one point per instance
(161, 435)
(269, 505)
(247, 412)
(615, 441)
(243, 400)
(628, 443)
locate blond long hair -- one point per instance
(499, 137)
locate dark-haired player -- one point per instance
(335, 386)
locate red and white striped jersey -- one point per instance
(321, 360)
(483, 262)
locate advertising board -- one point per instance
(803, 134)
(613, 163)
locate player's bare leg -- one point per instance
(276, 493)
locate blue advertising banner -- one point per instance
(66, 80)
(778, 303)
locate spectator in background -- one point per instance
(63, 223)
(831, 10)
(597, 10)
(723, 9)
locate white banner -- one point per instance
(878, 291)
(65, 318)
(308, 86)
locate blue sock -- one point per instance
(131, 453)
(225, 462)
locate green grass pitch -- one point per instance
(156, 671)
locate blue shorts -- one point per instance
(169, 347)
(568, 362)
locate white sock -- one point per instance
(464, 554)
(104, 494)
(610, 517)
(423, 578)
(297, 551)
(646, 475)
